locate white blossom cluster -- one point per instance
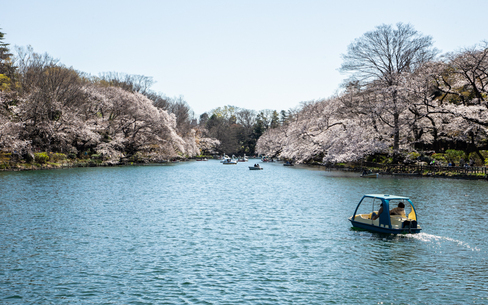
(110, 121)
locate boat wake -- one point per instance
(434, 238)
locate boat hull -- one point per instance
(377, 229)
(255, 168)
(370, 175)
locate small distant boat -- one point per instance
(202, 159)
(255, 167)
(229, 161)
(288, 163)
(224, 157)
(369, 174)
(243, 159)
(402, 219)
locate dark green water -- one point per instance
(207, 233)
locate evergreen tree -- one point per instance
(283, 117)
(275, 120)
(7, 69)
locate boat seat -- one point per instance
(366, 218)
(397, 220)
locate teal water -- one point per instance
(207, 233)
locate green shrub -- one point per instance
(5, 157)
(477, 160)
(453, 155)
(96, 156)
(379, 158)
(439, 158)
(413, 155)
(56, 157)
(41, 157)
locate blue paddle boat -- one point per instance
(385, 214)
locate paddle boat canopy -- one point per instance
(385, 214)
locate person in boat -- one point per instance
(376, 216)
(400, 210)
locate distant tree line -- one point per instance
(238, 129)
(402, 101)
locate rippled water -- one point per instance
(207, 233)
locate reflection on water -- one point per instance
(202, 232)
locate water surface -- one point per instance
(207, 233)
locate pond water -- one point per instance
(208, 233)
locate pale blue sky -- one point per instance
(251, 54)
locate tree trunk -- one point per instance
(396, 138)
(476, 148)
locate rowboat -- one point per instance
(370, 175)
(255, 167)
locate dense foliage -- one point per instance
(428, 105)
(48, 107)
(239, 129)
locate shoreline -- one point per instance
(34, 167)
(436, 173)
(433, 173)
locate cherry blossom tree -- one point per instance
(131, 124)
(319, 131)
(462, 89)
(10, 128)
(59, 109)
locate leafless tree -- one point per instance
(381, 58)
(384, 53)
(160, 100)
(129, 82)
(246, 118)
